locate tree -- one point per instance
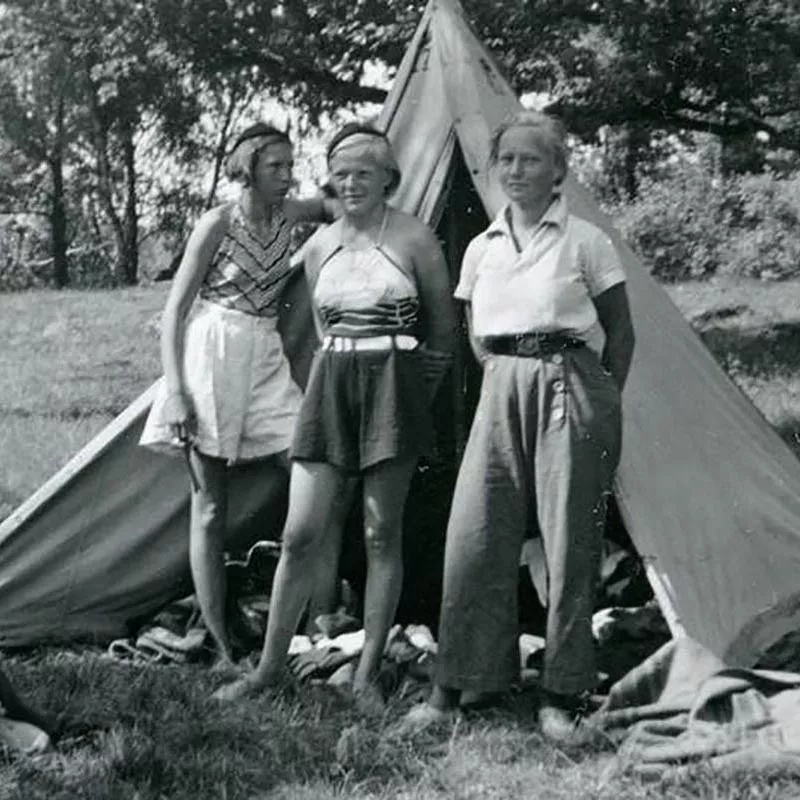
(726, 67)
(131, 81)
(35, 95)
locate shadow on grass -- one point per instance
(716, 314)
(765, 363)
(758, 352)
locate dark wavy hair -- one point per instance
(243, 158)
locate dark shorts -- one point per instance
(361, 408)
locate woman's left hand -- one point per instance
(435, 364)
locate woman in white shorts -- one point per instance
(228, 393)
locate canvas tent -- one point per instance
(708, 492)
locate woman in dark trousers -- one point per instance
(549, 320)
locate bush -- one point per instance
(764, 240)
(689, 224)
(675, 223)
(24, 252)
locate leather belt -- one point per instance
(531, 345)
(346, 344)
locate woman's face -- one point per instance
(526, 167)
(359, 183)
(272, 176)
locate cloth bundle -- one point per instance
(684, 706)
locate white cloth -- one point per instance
(240, 383)
(548, 286)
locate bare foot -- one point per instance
(245, 686)
(227, 668)
(368, 700)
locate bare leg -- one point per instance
(385, 489)
(325, 593)
(312, 494)
(209, 506)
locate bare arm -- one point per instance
(200, 249)
(323, 207)
(478, 350)
(614, 312)
(434, 292)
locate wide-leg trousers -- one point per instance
(540, 460)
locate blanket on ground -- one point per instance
(684, 706)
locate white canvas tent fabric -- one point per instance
(709, 494)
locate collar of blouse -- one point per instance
(555, 215)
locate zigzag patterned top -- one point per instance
(246, 273)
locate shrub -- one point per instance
(689, 224)
(24, 252)
(764, 240)
(675, 223)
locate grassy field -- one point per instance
(71, 362)
(753, 329)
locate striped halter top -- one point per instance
(366, 291)
(247, 273)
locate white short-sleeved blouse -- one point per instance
(546, 287)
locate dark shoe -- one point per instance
(481, 701)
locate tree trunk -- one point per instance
(105, 184)
(222, 141)
(58, 211)
(636, 140)
(130, 225)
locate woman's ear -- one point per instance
(561, 173)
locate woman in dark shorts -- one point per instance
(381, 293)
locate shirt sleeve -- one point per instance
(469, 269)
(601, 264)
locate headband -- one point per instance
(258, 141)
(257, 131)
(365, 143)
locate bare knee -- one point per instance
(299, 543)
(208, 515)
(382, 539)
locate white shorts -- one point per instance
(240, 384)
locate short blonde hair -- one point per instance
(381, 150)
(549, 129)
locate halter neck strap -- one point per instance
(381, 231)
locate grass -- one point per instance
(73, 360)
(753, 329)
(151, 732)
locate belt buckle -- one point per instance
(527, 344)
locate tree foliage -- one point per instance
(728, 67)
(94, 92)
